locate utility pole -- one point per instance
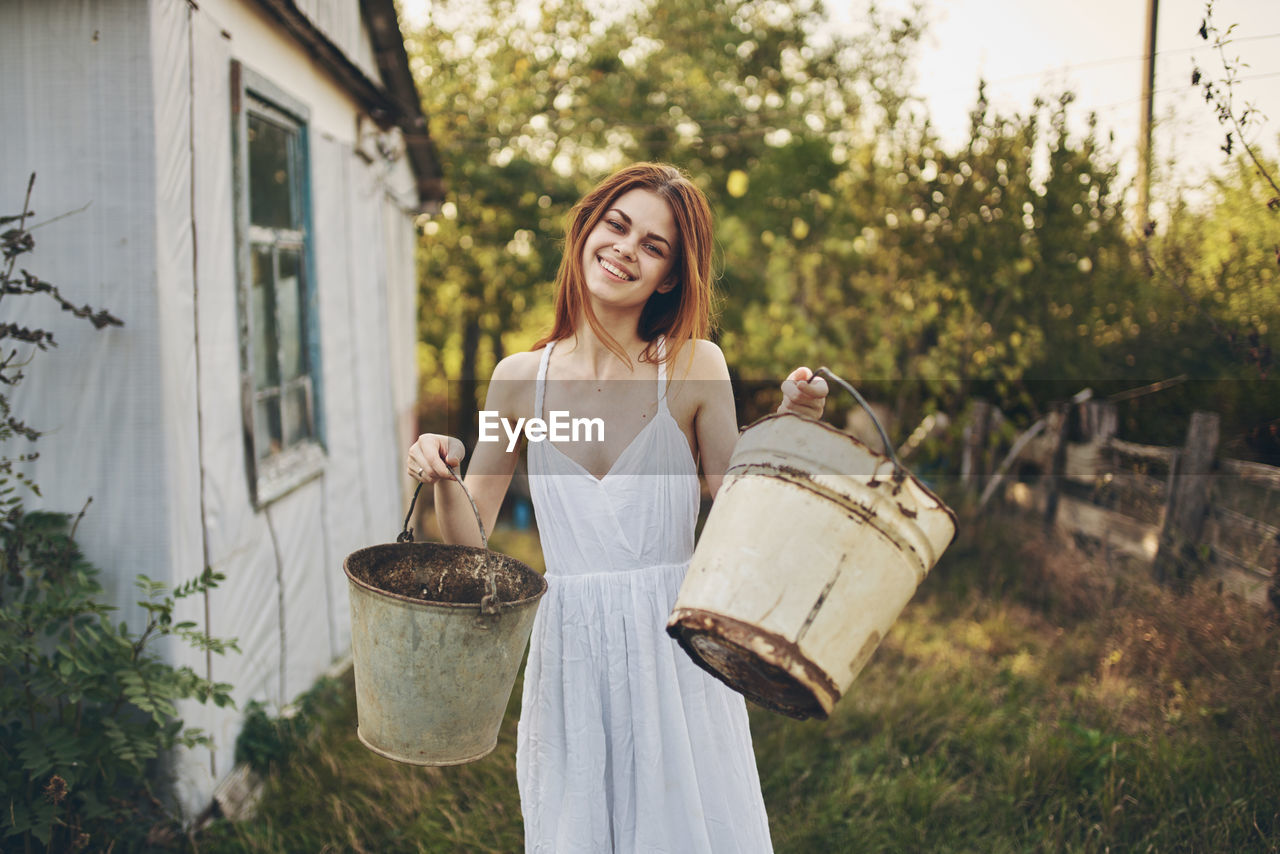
(1144, 129)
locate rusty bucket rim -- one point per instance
(880, 455)
(785, 655)
(505, 605)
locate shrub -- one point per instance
(87, 708)
(266, 743)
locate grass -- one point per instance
(1029, 699)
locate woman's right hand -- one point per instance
(428, 456)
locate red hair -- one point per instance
(683, 313)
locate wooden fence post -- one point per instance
(1058, 461)
(1058, 457)
(975, 444)
(1273, 591)
(1189, 485)
(1101, 418)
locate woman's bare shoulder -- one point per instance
(699, 377)
(512, 385)
(706, 361)
(519, 366)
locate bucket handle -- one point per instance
(884, 437)
(489, 603)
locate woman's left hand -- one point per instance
(803, 394)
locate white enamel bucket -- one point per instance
(813, 547)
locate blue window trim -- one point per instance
(277, 476)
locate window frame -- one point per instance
(278, 474)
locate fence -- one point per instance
(1183, 510)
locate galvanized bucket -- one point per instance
(813, 547)
(437, 635)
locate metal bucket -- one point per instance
(813, 547)
(437, 635)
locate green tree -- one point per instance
(488, 260)
(848, 234)
(976, 270)
(1216, 309)
(1216, 273)
(530, 108)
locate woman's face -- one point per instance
(631, 252)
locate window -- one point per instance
(278, 347)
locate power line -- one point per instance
(1114, 60)
(1126, 102)
(713, 131)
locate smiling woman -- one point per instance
(663, 228)
(631, 245)
(624, 744)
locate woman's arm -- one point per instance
(715, 422)
(492, 465)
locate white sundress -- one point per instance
(624, 744)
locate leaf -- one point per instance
(36, 757)
(19, 818)
(42, 822)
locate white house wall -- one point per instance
(258, 42)
(175, 225)
(402, 302)
(78, 110)
(285, 597)
(238, 539)
(349, 518)
(126, 107)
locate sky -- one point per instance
(1025, 48)
(1094, 47)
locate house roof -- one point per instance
(394, 102)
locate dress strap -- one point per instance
(539, 387)
(662, 374)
